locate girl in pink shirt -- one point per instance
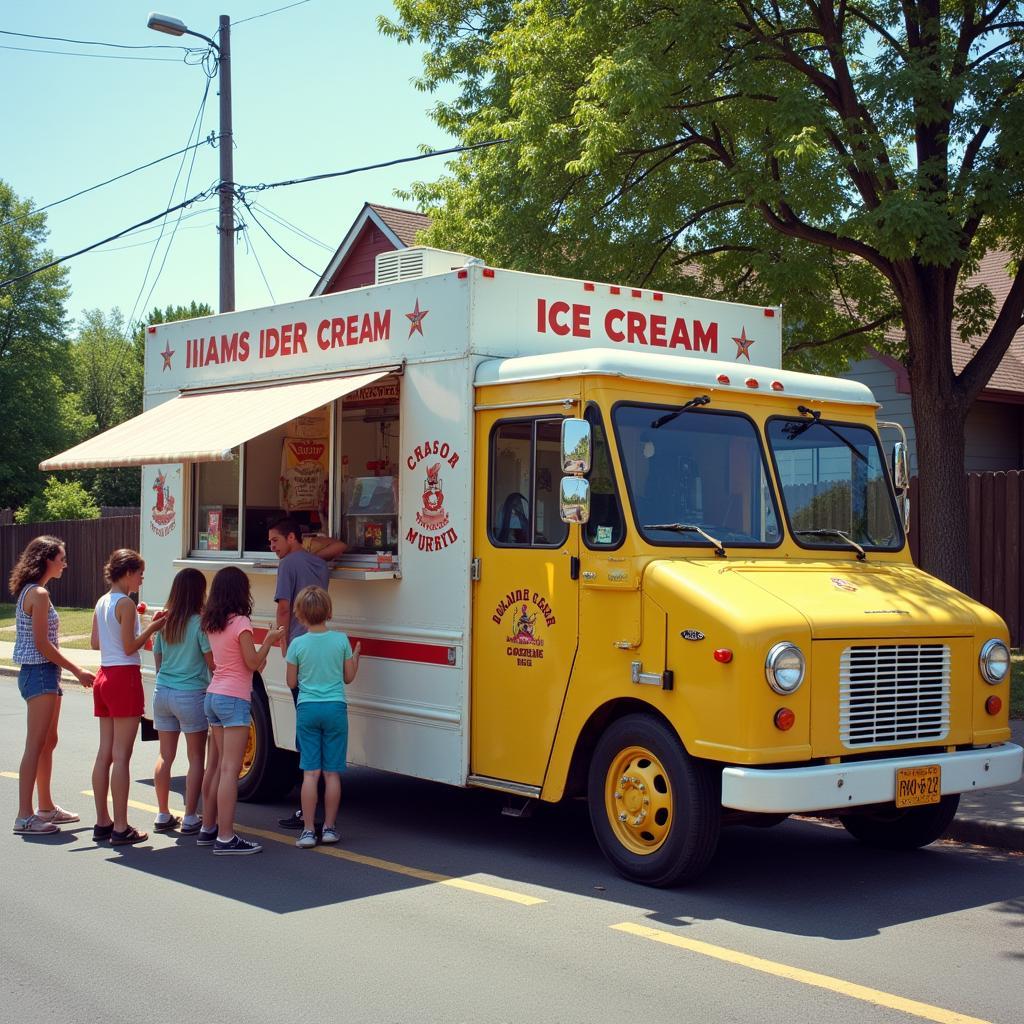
(229, 701)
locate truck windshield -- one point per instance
(834, 485)
(702, 469)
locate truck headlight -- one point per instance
(784, 668)
(994, 661)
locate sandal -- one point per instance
(101, 833)
(167, 826)
(58, 815)
(129, 836)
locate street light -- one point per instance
(226, 227)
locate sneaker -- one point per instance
(101, 833)
(307, 840)
(191, 828)
(129, 837)
(167, 826)
(33, 825)
(293, 821)
(329, 835)
(207, 836)
(58, 816)
(237, 847)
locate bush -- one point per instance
(61, 499)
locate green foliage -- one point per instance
(60, 499)
(819, 156)
(34, 361)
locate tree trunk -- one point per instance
(941, 493)
(940, 414)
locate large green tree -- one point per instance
(35, 368)
(851, 160)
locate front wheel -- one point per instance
(266, 773)
(655, 810)
(908, 828)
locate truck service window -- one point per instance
(526, 467)
(696, 471)
(834, 484)
(215, 524)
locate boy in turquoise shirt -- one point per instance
(321, 663)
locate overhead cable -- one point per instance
(94, 42)
(209, 140)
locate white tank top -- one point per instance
(112, 650)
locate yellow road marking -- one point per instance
(845, 988)
(9, 775)
(376, 862)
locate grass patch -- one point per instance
(73, 621)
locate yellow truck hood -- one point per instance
(844, 600)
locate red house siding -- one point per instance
(358, 268)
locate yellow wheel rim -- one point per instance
(250, 752)
(638, 800)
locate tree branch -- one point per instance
(978, 371)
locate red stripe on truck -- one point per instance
(392, 650)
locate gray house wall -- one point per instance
(994, 433)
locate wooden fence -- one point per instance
(89, 543)
(995, 538)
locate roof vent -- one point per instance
(418, 261)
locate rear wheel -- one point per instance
(908, 828)
(266, 773)
(654, 809)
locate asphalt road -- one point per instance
(436, 908)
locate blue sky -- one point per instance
(315, 88)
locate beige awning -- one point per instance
(205, 426)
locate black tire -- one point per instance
(678, 839)
(890, 828)
(269, 774)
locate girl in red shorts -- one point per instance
(117, 693)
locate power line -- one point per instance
(73, 53)
(294, 228)
(198, 197)
(93, 42)
(276, 10)
(374, 167)
(240, 191)
(259, 224)
(209, 140)
(247, 234)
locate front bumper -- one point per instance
(832, 787)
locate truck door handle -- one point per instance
(574, 568)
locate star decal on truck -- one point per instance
(743, 344)
(167, 353)
(415, 319)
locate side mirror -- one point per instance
(574, 500)
(575, 446)
(900, 468)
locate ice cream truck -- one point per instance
(600, 545)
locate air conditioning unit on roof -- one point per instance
(418, 261)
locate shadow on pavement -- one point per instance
(800, 877)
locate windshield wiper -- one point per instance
(794, 430)
(861, 554)
(688, 528)
(670, 416)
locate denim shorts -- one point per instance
(321, 728)
(179, 710)
(37, 679)
(227, 712)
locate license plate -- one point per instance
(916, 786)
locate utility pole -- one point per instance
(226, 221)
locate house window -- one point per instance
(526, 467)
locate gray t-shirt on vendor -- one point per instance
(295, 571)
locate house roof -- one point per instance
(1009, 375)
(398, 226)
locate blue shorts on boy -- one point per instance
(179, 697)
(322, 716)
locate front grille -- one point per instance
(893, 694)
